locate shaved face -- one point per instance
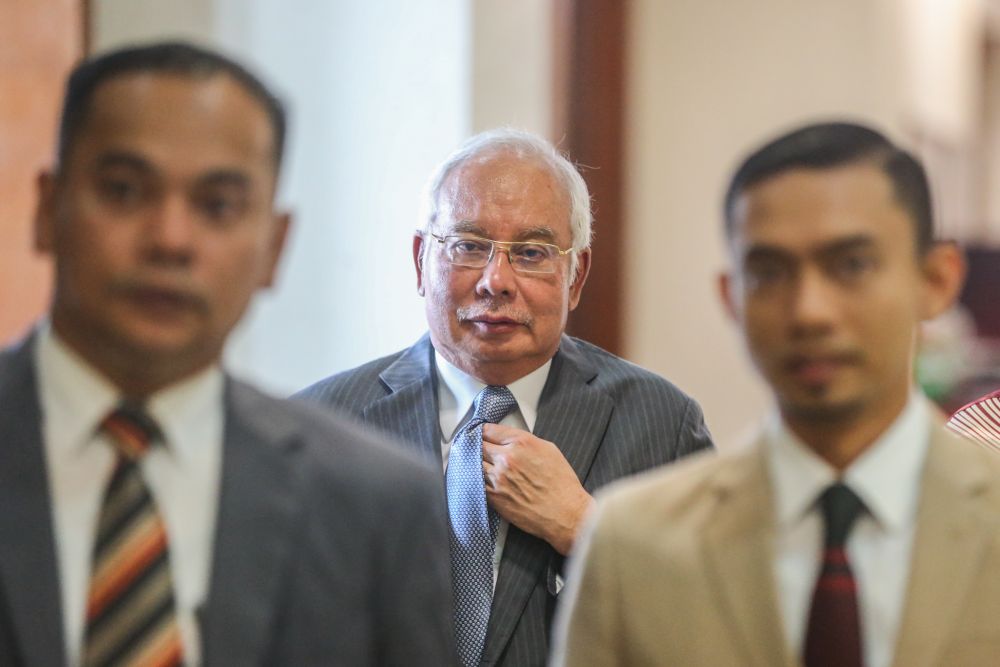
(161, 225)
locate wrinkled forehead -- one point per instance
(502, 186)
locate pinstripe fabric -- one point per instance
(979, 421)
(130, 617)
(610, 418)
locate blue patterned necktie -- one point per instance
(473, 524)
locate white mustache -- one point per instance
(479, 311)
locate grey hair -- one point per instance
(522, 145)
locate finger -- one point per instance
(501, 434)
(491, 451)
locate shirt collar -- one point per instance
(886, 476)
(463, 389)
(82, 397)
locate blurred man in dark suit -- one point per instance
(155, 511)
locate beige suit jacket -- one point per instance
(676, 568)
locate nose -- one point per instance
(498, 277)
(814, 304)
(170, 232)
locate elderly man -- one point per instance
(856, 529)
(496, 390)
(155, 511)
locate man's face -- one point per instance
(828, 289)
(160, 223)
(493, 323)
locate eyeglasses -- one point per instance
(475, 252)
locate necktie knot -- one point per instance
(841, 507)
(492, 404)
(132, 430)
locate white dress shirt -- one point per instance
(183, 477)
(886, 477)
(457, 391)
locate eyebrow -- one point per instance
(765, 251)
(541, 233)
(124, 159)
(225, 177)
(128, 160)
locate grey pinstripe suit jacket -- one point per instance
(304, 571)
(610, 418)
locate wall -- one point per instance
(513, 67)
(38, 43)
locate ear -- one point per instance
(418, 260)
(582, 271)
(726, 287)
(45, 211)
(279, 235)
(943, 269)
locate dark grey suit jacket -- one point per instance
(610, 418)
(330, 548)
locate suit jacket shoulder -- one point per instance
(955, 569)
(352, 389)
(648, 408)
(675, 568)
(32, 624)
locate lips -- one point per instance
(495, 321)
(162, 300)
(819, 369)
(495, 325)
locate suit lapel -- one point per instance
(258, 505)
(28, 571)
(574, 415)
(951, 541)
(739, 534)
(410, 410)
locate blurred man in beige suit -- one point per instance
(855, 530)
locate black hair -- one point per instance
(827, 145)
(172, 57)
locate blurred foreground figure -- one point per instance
(496, 390)
(979, 421)
(155, 511)
(855, 530)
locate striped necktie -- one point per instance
(473, 524)
(833, 636)
(130, 618)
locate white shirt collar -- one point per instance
(886, 476)
(82, 397)
(462, 389)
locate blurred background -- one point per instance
(656, 99)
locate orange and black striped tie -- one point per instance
(130, 618)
